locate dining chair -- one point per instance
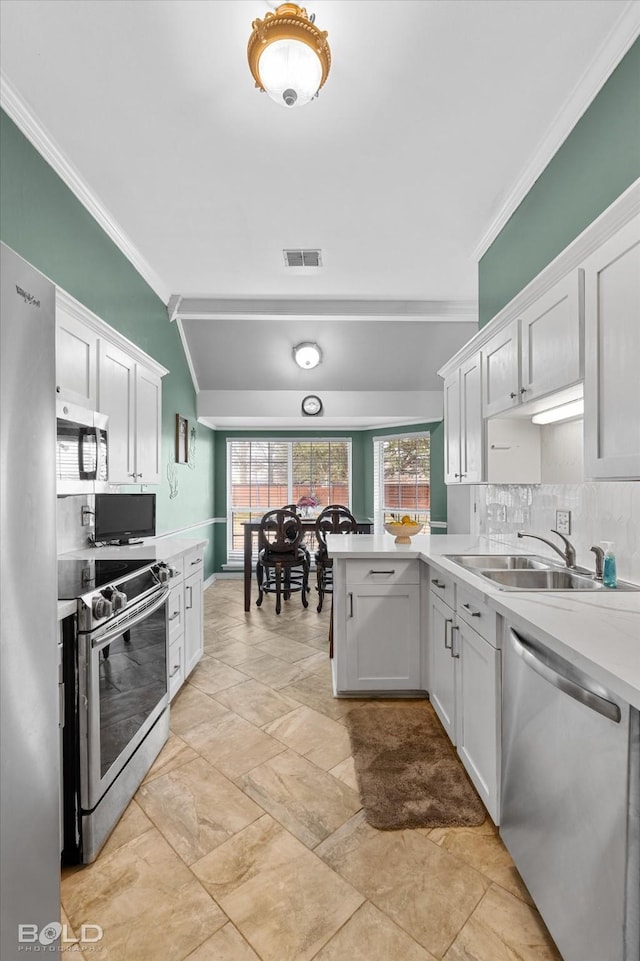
(282, 567)
(334, 519)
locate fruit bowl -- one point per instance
(403, 532)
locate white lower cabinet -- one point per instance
(465, 682)
(377, 628)
(185, 616)
(193, 612)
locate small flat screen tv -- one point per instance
(123, 517)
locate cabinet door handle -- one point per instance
(449, 621)
(174, 615)
(198, 560)
(190, 604)
(350, 604)
(513, 395)
(174, 671)
(467, 607)
(382, 572)
(436, 583)
(454, 628)
(523, 390)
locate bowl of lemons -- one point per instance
(403, 529)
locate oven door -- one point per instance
(123, 669)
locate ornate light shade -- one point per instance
(307, 355)
(288, 56)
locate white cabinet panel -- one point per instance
(383, 638)
(612, 346)
(148, 426)
(442, 692)
(76, 357)
(116, 398)
(464, 425)
(193, 610)
(501, 369)
(552, 339)
(452, 429)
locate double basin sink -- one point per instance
(528, 572)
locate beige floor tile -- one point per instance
(309, 802)
(287, 649)
(346, 772)
(232, 744)
(371, 934)
(211, 676)
(69, 943)
(278, 673)
(482, 848)
(230, 651)
(191, 707)
(248, 633)
(227, 944)
(424, 889)
(132, 824)
(196, 808)
(313, 735)
(256, 702)
(173, 754)
(283, 899)
(147, 901)
(315, 690)
(503, 928)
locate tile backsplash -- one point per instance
(599, 511)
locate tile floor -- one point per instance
(246, 842)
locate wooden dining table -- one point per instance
(364, 526)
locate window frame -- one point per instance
(379, 508)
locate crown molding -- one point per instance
(616, 44)
(29, 124)
(223, 308)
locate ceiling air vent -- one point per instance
(302, 258)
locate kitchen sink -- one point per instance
(501, 562)
(542, 580)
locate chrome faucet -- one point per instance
(599, 561)
(568, 555)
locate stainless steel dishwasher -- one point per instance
(570, 814)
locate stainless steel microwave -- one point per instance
(81, 450)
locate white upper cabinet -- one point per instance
(464, 441)
(501, 368)
(552, 338)
(539, 352)
(98, 368)
(130, 395)
(76, 357)
(612, 349)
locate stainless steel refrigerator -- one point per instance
(29, 755)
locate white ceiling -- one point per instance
(436, 118)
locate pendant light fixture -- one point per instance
(288, 56)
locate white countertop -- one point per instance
(152, 549)
(599, 631)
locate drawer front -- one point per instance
(193, 562)
(384, 570)
(477, 614)
(176, 666)
(443, 586)
(175, 612)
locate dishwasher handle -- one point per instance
(566, 684)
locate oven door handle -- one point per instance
(126, 625)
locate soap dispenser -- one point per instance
(609, 574)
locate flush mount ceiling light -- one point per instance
(288, 56)
(307, 355)
(563, 412)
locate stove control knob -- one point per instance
(118, 600)
(101, 607)
(162, 573)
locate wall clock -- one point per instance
(311, 405)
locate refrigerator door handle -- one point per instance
(563, 683)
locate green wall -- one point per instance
(42, 220)
(361, 470)
(597, 162)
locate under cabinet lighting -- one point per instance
(563, 412)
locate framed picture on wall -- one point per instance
(182, 439)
